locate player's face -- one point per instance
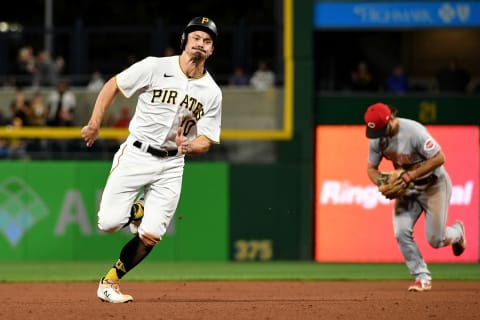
(390, 132)
(199, 44)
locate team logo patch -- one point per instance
(371, 125)
(429, 144)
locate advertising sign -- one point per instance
(396, 14)
(48, 211)
(354, 221)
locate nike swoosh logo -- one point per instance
(166, 75)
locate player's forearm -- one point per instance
(104, 101)
(199, 145)
(428, 166)
(373, 173)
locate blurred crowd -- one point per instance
(38, 70)
(43, 98)
(51, 102)
(55, 108)
(451, 78)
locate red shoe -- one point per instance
(421, 285)
(459, 246)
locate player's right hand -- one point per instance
(181, 141)
(89, 135)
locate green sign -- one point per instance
(48, 212)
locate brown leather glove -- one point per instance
(394, 184)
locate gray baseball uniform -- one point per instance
(407, 149)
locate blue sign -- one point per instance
(396, 15)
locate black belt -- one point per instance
(422, 182)
(157, 152)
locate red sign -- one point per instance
(354, 221)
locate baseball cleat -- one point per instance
(109, 291)
(421, 285)
(137, 215)
(459, 246)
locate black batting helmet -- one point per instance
(199, 23)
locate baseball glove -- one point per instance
(394, 184)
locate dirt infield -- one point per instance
(244, 300)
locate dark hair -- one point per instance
(393, 110)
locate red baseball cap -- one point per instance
(377, 117)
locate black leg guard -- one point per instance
(131, 255)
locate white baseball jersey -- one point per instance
(169, 99)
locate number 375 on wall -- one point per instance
(253, 250)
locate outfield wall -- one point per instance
(238, 212)
(48, 212)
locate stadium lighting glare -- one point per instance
(10, 27)
(4, 26)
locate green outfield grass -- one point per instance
(170, 271)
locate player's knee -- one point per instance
(109, 225)
(111, 221)
(436, 242)
(148, 239)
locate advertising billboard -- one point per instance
(48, 211)
(405, 14)
(353, 221)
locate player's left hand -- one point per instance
(394, 184)
(181, 142)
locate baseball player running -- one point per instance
(425, 186)
(178, 113)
